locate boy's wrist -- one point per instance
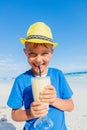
(54, 102)
(29, 114)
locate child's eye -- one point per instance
(32, 54)
(45, 53)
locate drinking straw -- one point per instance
(39, 70)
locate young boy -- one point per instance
(38, 49)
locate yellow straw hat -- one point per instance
(39, 32)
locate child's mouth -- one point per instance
(36, 65)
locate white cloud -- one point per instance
(72, 66)
(10, 67)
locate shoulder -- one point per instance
(23, 80)
(24, 76)
(55, 71)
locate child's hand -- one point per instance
(48, 95)
(38, 109)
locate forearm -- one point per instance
(21, 115)
(37, 109)
(64, 105)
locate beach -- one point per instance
(75, 120)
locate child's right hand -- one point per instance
(38, 109)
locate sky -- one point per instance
(67, 20)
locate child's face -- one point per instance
(38, 56)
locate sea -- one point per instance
(76, 75)
(76, 79)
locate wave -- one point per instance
(76, 73)
(76, 76)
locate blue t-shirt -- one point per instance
(21, 95)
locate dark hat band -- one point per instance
(39, 37)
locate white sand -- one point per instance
(75, 120)
(6, 123)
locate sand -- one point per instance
(75, 120)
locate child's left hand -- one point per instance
(48, 95)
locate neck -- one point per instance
(37, 73)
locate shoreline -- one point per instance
(75, 120)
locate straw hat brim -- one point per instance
(23, 41)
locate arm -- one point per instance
(36, 110)
(64, 105)
(20, 114)
(49, 95)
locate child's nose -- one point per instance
(39, 58)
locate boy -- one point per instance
(38, 49)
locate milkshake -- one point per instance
(38, 85)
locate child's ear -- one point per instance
(52, 51)
(25, 51)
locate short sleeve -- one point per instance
(65, 89)
(15, 98)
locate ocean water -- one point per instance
(76, 79)
(76, 75)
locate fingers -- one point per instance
(49, 90)
(48, 95)
(38, 109)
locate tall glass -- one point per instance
(38, 84)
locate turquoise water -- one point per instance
(77, 75)
(75, 79)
